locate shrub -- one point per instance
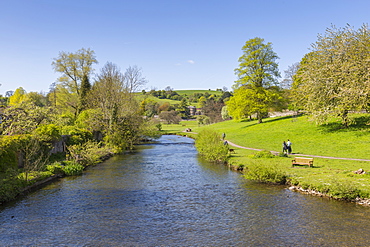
(77, 135)
(263, 154)
(72, 168)
(9, 145)
(343, 189)
(89, 153)
(49, 132)
(55, 168)
(265, 173)
(211, 147)
(10, 188)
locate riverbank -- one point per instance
(334, 172)
(15, 186)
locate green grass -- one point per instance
(307, 138)
(331, 176)
(179, 128)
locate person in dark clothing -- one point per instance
(285, 147)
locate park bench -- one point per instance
(302, 161)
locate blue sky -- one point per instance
(185, 44)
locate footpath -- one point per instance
(305, 155)
(297, 154)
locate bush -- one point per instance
(211, 147)
(55, 168)
(77, 135)
(89, 153)
(344, 190)
(10, 188)
(263, 154)
(72, 168)
(265, 173)
(49, 132)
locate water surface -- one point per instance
(164, 195)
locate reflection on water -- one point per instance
(165, 195)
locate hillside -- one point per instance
(307, 137)
(188, 93)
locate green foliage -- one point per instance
(342, 84)
(158, 126)
(266, 173)
(77, 135)
(211, 147)
(203, 120)
(55, 168)
(88, 153)
(17, 97)
(257, 73)
(263, 154)
(344, 189)
(171, 117)
(91, 119)
(257, 66)
(49, 132)
(10, 188)
(85, 88)
(72, 168)
(25, 118)
(9, 146)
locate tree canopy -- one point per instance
(334, 77)
(257, 75)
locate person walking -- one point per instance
(289, 146)
(285, 147)
(223, 136)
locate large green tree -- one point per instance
(334, 78)
(75, 69)
(257, 73)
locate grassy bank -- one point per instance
(332, 177)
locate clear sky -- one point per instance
(185, 44)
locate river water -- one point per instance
(163, 194)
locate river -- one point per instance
(164, 194)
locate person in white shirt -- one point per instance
(289, 146)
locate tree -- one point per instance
(257, 74)
(248, 101)
(17, 97)
(24, 118)
(212, 109)
(85, 88)
(170, 117)
(9, 93)
(183, 109)
(35, 98)
(75, 68)
(289, 75)
(121, 123)
(134, 79)
(333, 78)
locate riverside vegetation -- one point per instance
(331, 177)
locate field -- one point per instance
(141, 96)
(327, 175)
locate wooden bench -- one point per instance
(302, 161)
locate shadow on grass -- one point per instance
(269, 120)
(360, 123)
